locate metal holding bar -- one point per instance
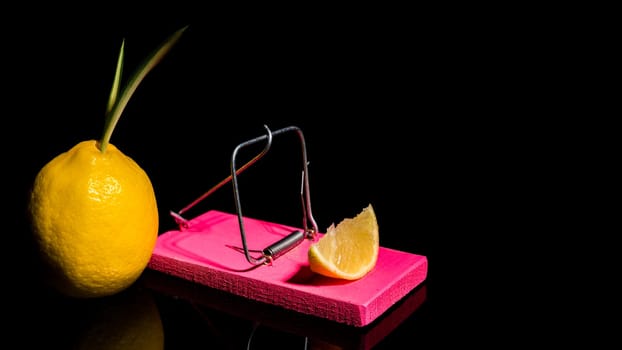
(182, 222)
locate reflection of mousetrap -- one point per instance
(316, 330)
(268, 262)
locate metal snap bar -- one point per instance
(282, 246)
(287, 243)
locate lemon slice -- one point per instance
(349, 250)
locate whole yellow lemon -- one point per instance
(93, 209)
(95, 219)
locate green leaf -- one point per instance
(117, 80)
(117, 105)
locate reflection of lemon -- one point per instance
(124, 321)
(95, 219)
(349, 250)
(316, 344)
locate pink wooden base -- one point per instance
(200, 254)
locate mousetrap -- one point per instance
(267, 262)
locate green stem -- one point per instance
(116, 105)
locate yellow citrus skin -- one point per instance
(349, 250)
(95, 220)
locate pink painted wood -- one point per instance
(201, 254)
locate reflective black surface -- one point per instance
(159, 310)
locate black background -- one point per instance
(415, 111)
